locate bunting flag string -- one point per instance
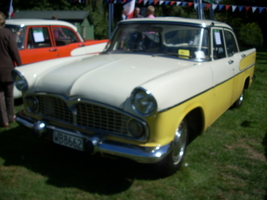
(207, 6)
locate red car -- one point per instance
(40, 39)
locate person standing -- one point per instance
(150, 11)
(9, 56)
(124, 15)
(137, 13)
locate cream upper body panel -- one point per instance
(110, 79)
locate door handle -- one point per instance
(51, 50)
(243, 55)
(230, 62)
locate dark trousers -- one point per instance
(6, 102)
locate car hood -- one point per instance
(108, 79)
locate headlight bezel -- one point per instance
(31, 103)
(132, 125)
(137, 101)
(19, 80)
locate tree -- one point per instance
(250, 35)
(241, 20)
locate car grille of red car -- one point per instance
(86, 115)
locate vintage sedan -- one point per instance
(40, 39)
(158, 83)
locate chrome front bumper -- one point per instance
(99, 144)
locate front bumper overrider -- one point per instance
(98, 144)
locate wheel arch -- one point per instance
(196, 122)
(247, 83)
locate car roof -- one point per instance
(36, 22)
(196, 22)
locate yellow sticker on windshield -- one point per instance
(183, 53)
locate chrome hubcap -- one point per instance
(241, 98)
(179, 143)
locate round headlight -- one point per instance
(32, 103)
(143, 102)
(135, 128)
(19, 80)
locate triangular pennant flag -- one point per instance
(221, 7)
(151, 2)
(254, 9)
(155, 2)
(145, 1)
(203, 5)
(208, 6)
(227, 7)
(195, 5)
(214, 6)
(233, 8)
(178, 3)
(261, 9)
(184, 3)
(247, 8)
(240, 8)
(167, 2)
(190, 4)
(172, 2)
(161, 2)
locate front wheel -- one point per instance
(173, 161)
(239, 101)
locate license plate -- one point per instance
(68, 140)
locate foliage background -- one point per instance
(250, 27)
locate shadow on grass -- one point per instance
(65, 167)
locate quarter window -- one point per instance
(230, 41)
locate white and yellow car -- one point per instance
(158, 82)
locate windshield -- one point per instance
(184, 42)
(19, 33)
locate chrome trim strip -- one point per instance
(198, 25)
(138, 154)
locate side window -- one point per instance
(64, 36)
(218, 44)
(38, 37)
(231, 45)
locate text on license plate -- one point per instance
(68, 140)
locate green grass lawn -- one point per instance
(227, 162)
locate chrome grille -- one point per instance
(88, 115)
(53, 107)
(98, 117)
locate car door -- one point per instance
(234, 58)
(65, 40)
(223, 72)
(37, 45)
